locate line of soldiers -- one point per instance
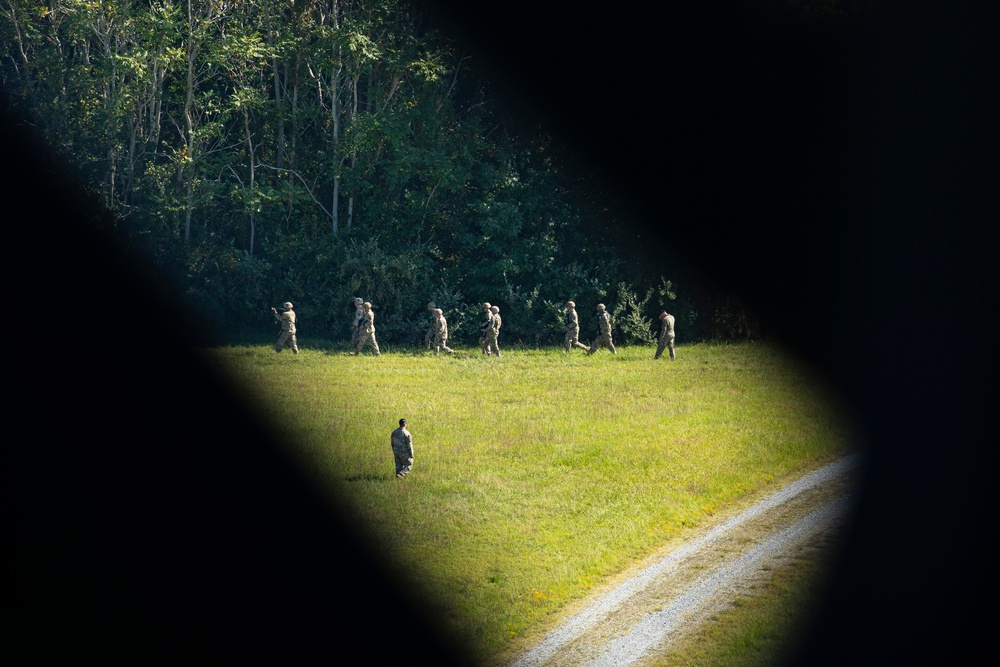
(363, 330)
(603, 337)
(489, 330)
(437, 332)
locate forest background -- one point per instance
(259, 152)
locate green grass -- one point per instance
(539, 475)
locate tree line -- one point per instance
(262, 151)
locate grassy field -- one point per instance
(539, 475)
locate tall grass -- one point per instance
(539, 475)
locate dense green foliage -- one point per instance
(262, 151)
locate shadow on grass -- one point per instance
(370, 477)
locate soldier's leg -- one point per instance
(378, 353)
(281, 341)
(611, 346)
(659, 349)
(295, 343)
(670, 346)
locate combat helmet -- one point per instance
(431, 305)
(287, 305)
(358, 301)
(571, 304)
(494, 309)
(600, 306)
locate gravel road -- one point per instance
(672, 592)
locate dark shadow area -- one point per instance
(827, 162)
(834, 172)
(148, 514)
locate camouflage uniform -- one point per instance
(484, 327)
(429, 336)
(359, 313)
(572, 328)
(366, 335)
(493, 332)
(402, 449)
(441, 333)
(287, 320)
(604, 331)
(666, 335)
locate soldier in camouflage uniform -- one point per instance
(359, 313)
(484, 327)
(666, 335)
(429, 336)
(366, 335)
(287, 321)
(441, 333)
(493, 332)
(604, 331)
(572, 328)
(402, 449)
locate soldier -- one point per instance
(441, 333)
(359, 313)
(666, 335)
(572, 328)
(604, 331)
(366, 335)
(429, 336)
(402, 449)
(484, 327)
(287, 321)
(493, 332)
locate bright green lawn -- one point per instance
(540, 474)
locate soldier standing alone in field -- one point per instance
(366, 336)
(493, 332)
(359, 313)
(441, 333)
(484, 327)
(287, 321)
(572, 328)
(402, 449)
(429, 336)
(666, 335)
(604, 331)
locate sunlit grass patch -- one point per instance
(539, 475)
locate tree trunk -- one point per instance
(189, 157)
(335, 113)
